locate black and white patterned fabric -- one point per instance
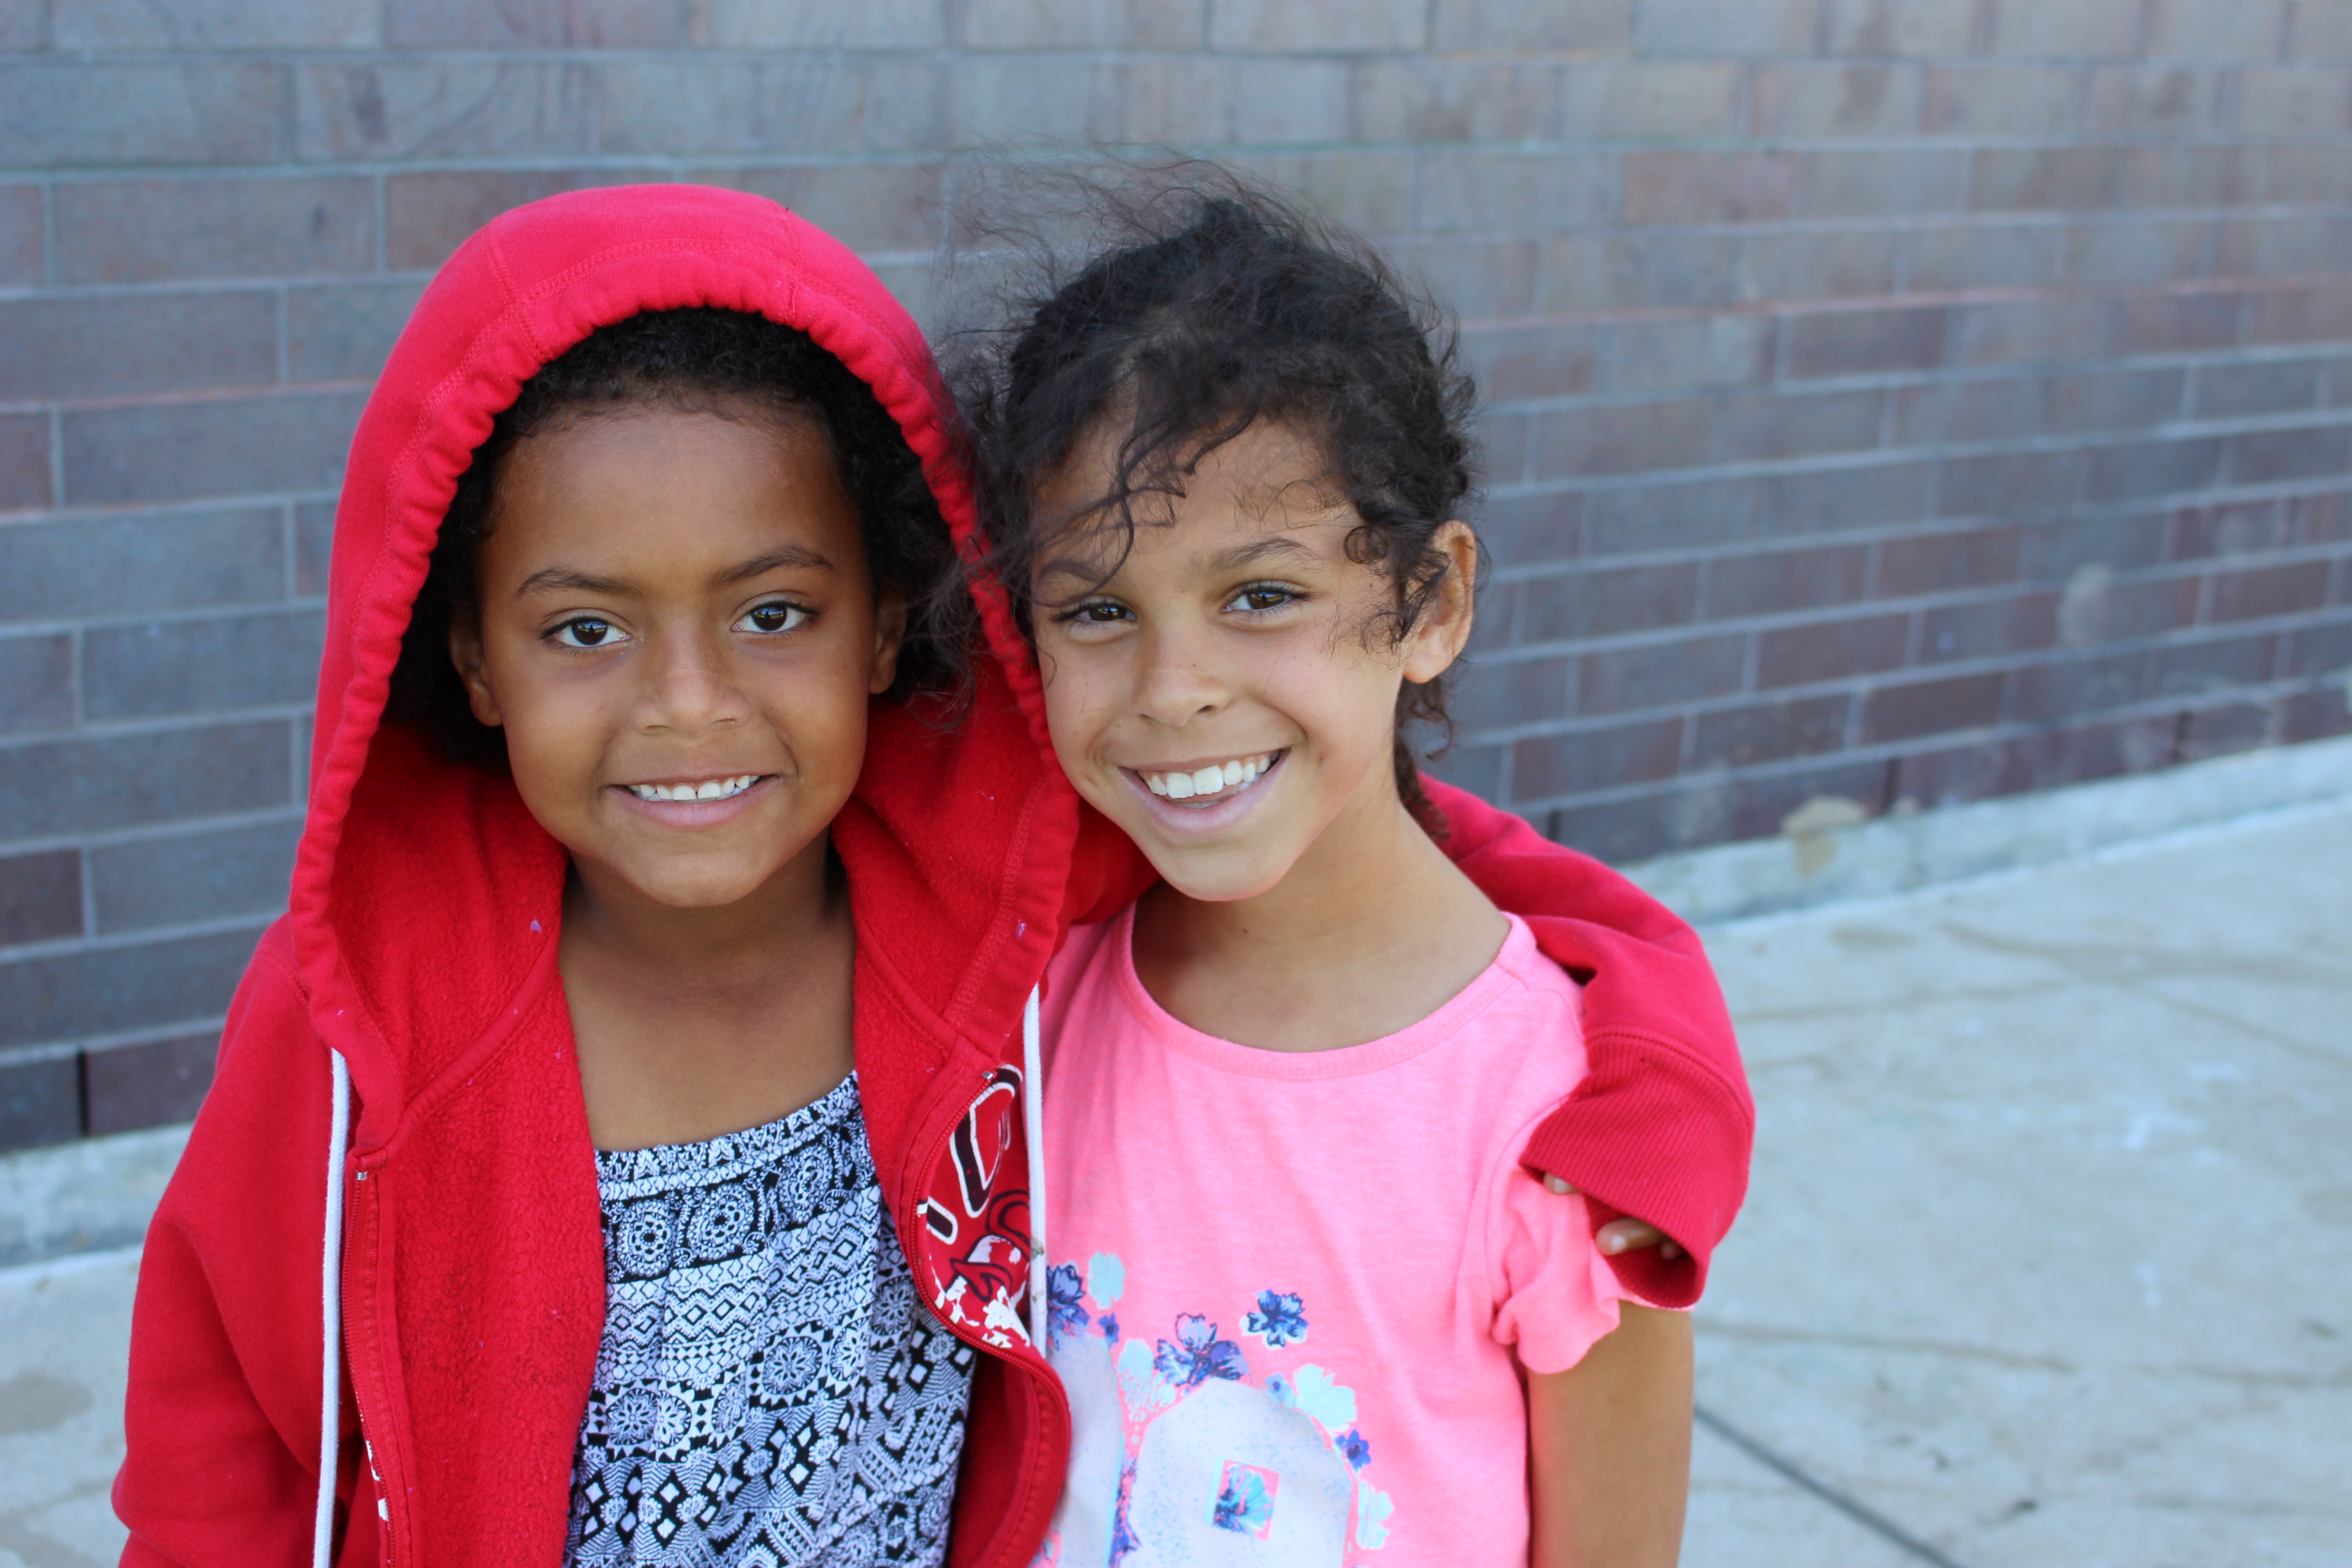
(769, 1392)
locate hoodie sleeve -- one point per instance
(222, 1413)
(1661, 1125)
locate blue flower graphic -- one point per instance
(1242, 1506)
(1279, 1321)
(1064, 1294)
(1109, 1327)
(1197, 1354)
(1354, 1449)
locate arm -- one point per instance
(1662, 1124)
(1608, 1448)
(222, 1413)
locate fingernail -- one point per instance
(1611, 1246)
(1557, 1185)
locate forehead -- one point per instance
(1270, 478)
(669, 483)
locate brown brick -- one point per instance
(2324, 651)
(1321, 25)
(1545, 766)
(1861, 342)
(2138, 102)
(1930, 562)
(2225, 728)
(2269, 591)
(1989, 629)
(536, 24)
(1476, 768)
(2253, 244)
(24, 461)
(1829, 650)
(1984, 256)
(2246, 528)
(2213, 664)
(37, 683)
(1782, 426)
(2134, 250)
(1545, 362)
(1655, 98)
(1061, 25)
(1812, 265)
(1624, 831)
(92, 345)
(1877, 185)
(1584, 26)
(21, 226)
(1930, 708)
(428, 216)
(2142, 469)
(1510, 693)
(1923, 30)
(1679, 354)
(436, 107)
(2036, 27)
(199, 111)
(2192, 176)
(1785, 579)
(2300, 316)
(2010, 483)
(40, 1101)
(119, 231)
(1761, 802)
(40, 897)
(1586, 272)
(1507, 441)
(1723, 27)
(2068, 688)
(2205, 30)
(2053, 178)
(1595, 602)
(2027, 332)
(1667, 514)
(1482, 280)
(1672, 186)
(2259, 386)
(241, 446)
(2113, 400)
(1659, 675)
(1420, 99)
(1948, 775)
(2315, 715)
(1770, 731)
(2122, 610)
(1828, 500)
(192, 25)
(2323, 520)
(1521, 529)
(2295, 105)
(1809, 98)
(148, 1085)
(2172, 324)
(2008, 100)
(1513, 192)
(2005, 409)
(2269, 457)
(1623, 440)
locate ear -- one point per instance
(889, 637)
(466, 653)
(1444, 630)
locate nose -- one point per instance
(690, 689)
(1177, 679)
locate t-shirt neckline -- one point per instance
(1345, 1061)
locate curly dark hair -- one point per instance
(1226, 306)
(699, 360)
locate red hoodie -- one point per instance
(396, 1126)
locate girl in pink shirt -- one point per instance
(1309, 1306)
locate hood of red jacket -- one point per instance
(423, 893)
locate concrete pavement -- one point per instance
(2047, 1262)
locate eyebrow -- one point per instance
(563, 579)
(1261, 549)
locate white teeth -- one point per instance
(710, 789)
(1212, 780)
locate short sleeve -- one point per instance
(1555, 1296)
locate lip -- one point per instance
(691, 812)
(1216, 813)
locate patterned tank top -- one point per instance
(769, 1391)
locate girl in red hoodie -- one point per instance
(1232, 465)
(615, 1151)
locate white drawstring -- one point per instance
(330, 1315)
(1032, 1128)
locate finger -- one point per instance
(1555, 1184)
(1626, 1235)
(1670, 1250)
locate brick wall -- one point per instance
(1900, 400)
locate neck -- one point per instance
(1370, 931)
(708, 953)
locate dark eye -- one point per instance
(1262, 597)
(585, 631)
(777, 615)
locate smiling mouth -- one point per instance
(696, 789)
(1217, 778)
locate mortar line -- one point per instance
(1869, 1519)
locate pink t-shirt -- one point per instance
(1291, 1293)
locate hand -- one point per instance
(1621, 1234)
